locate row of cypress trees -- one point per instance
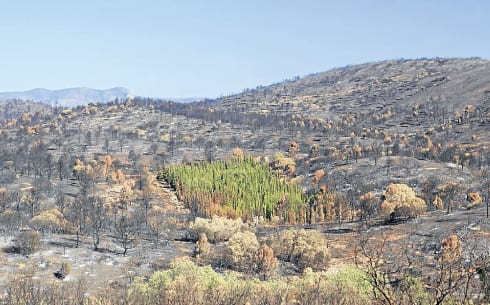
(240, 187)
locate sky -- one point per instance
(209, 48)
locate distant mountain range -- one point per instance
(69, 97)
(184, 99)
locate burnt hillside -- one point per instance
(431, 113)
(86, 177)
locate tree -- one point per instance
(63, 166)
(154, 148)
(485, 187)
(357, 152)
(293, 148)
(209, 150)
(453, 274)
(438, 203)
(399, 200)
(60, 198)
(267, 262)
(301, 247)
(125, 232)
(217, 229)
(376, 151)
(240, 251)
(133, 157)
(28, 200)
(50, 220)
(161, 225)
(318, 175)
(369, 206)
(78, 215)
(396, 277)
(448, 193)
(202, 248)
(393, 273)
(88, 137)
(122, 141)
(147, 195)
(87, 177)
(16, 199)
(97, 219)
(315, 151)
(27, 242)
(474, 199)
(107, 145)
(237, 152)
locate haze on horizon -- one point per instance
(211, 48)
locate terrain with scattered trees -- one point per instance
(367, 184)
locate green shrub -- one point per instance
(241, 251)
(346, 286)
(301, 247)
(186, 283)
(216, 229)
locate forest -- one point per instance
(240, 188)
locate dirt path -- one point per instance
(170, 201)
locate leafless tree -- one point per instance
(125, 232)
(97, 219)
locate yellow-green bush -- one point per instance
(301, 247)
(241, 251)
(186, 283)
(50, 220)
(217, 228)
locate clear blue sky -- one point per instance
(209, 48)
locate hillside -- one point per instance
(372, 87)
(415, 95)
(397, 121)
(434, 110)
(85, 179)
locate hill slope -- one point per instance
(362, 88)
(435, 111)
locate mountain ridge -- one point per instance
(445, 82)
